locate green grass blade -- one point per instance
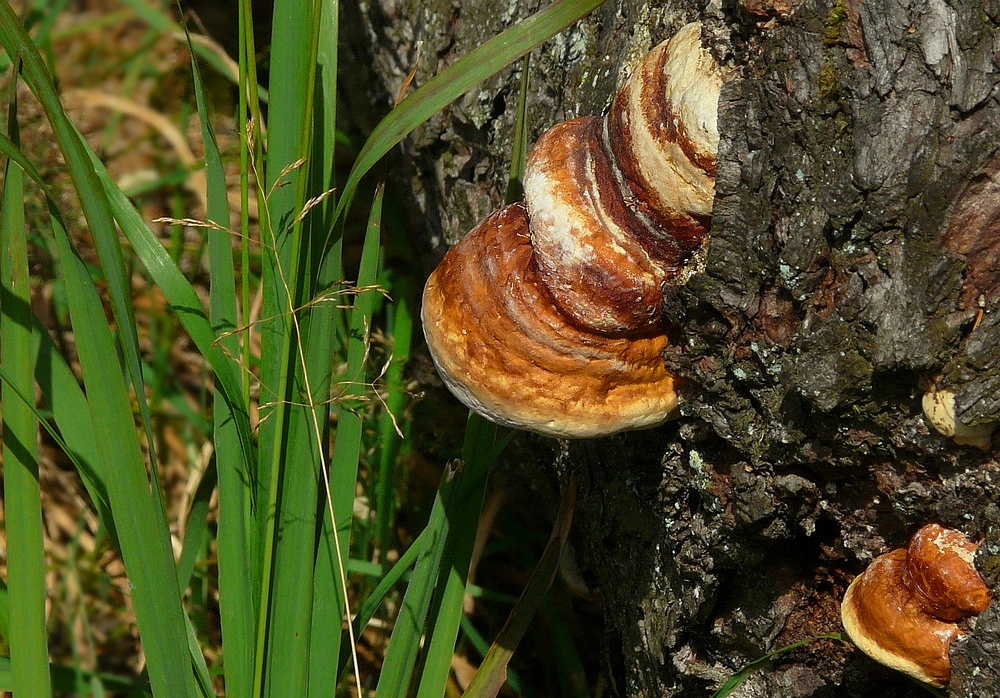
(145, 544)
(184, 302)
(323, 346)
(519, 155)
(743, 674)
(22, 495)
(291, 434)
(97, 212)
(196, 526)
(59, 385)
(285, 436)
(288, 625)
(158, 19)
(179, 292)
(401, 328)
(57, 381)
(408, 632)
(493, 671)
(283, 198)
(478, 456)
(201, 673)
(94, 204)
(386, 583)
(235, 539)
(459, 78)
(71, 413)
(432, 587)
(145, 540)
(347, 444)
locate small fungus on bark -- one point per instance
(939, 408)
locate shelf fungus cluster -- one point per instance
(547, 316)
(905, 609)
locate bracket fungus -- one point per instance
(904, 609)
(547, 316)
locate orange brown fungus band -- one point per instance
(547, 316)
(903, 610)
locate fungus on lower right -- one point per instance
(904, 609)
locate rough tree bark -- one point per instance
(854, 262)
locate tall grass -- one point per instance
(287, 383)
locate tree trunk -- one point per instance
(854, 264)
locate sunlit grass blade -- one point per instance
(71, 413)
(743, 674)
(184, 301)
(478, 455)
(324, 349)
(57, 382)
(385, 585)
(104, 235)
(95, 209)
(238, 568)
(59, 385)
(22, 495)
(284, 195)
(482, 646)
(331, 577)
(87, 472)
(292, 443)
(459, 78)
(404, 643)
(493, 671)
(144, 541)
